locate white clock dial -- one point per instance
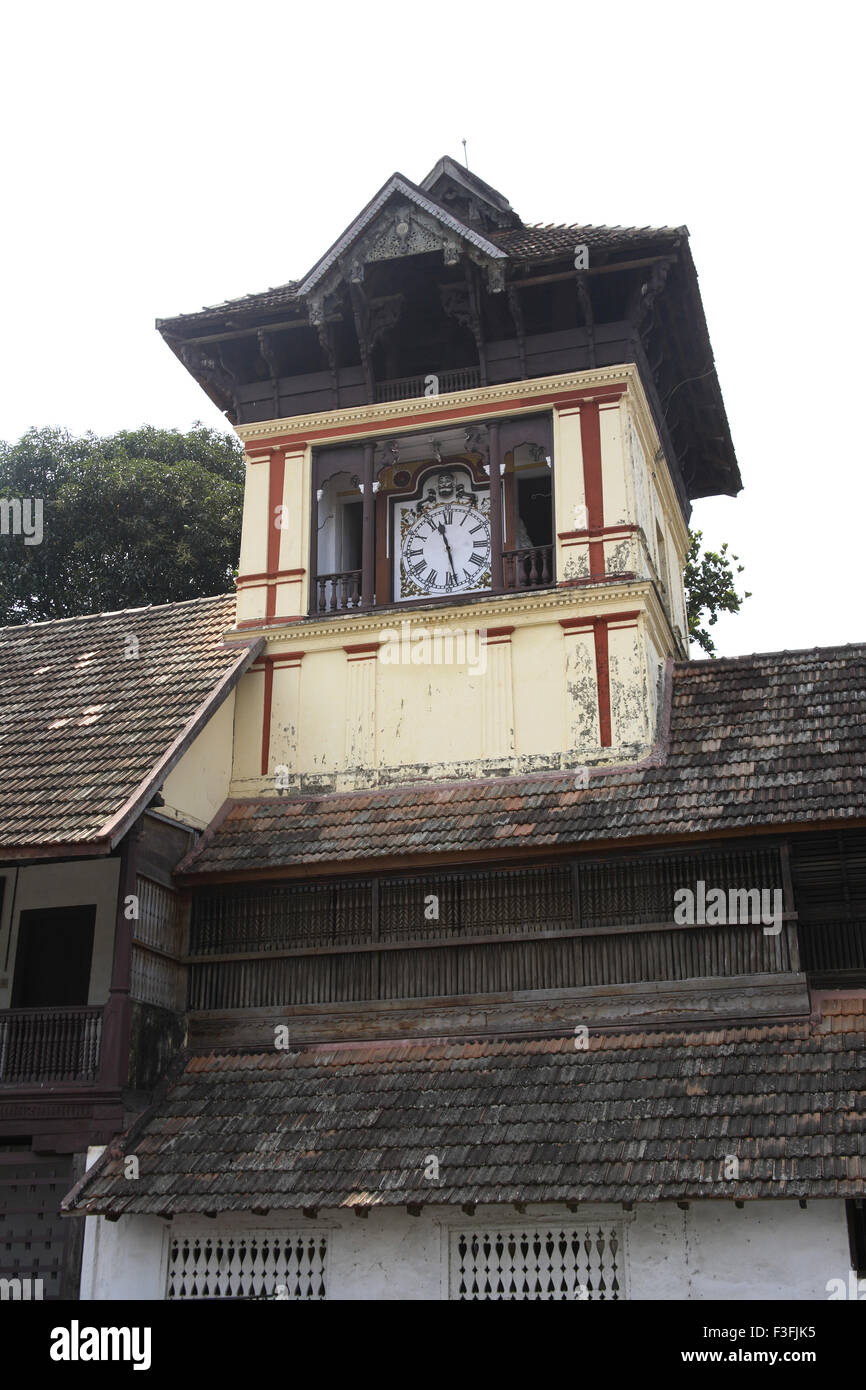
(445, 550)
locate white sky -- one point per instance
(158, 158)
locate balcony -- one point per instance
(528, 569)
(338, 593)
(408, 387)
(49, 1044)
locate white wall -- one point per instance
(123, 1259)
(712, 1250)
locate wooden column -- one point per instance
(368, 532)
(494, 455)
(117, 1015)
(314, 538)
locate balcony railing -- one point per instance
(528, 569)
(407, 387)
(338, 592)
(60, 1044)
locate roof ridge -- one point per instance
(116, 612)
(712, 663)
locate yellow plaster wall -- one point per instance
(199, 785)
(345, 722)
(294, 553)
(253, 556)
(613, 466)
(338, 722)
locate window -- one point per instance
(288, 1265)
(580, 1261)
(52, 960)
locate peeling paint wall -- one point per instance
(525, 699)
(340, 718)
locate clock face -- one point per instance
(443, 549)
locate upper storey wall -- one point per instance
(562, 670)
(616, 513)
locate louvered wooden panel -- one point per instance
(828, 872)
(476, 932)
(618, 891)
(157, 923)
(314, 979)
(281, 917)
(484, 903)
(488, 969)
(683, 955)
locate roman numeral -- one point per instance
(479, 527)
(449, 581)
(413, 554)
(475, 560)
(431, 578)
(448, 517)
(468, 577)
(464, 518)
(418, 570)
(479, 545)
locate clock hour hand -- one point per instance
(441, 529)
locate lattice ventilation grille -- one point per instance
(580, 1262)
(253, 1265)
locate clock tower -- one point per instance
(485, 434)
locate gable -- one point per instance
(399, 221)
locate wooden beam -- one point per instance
(205, 338)
(561, 275)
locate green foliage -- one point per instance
(140, 517)
(710, 581)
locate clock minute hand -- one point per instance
(441, 530)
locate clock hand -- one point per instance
(441, 530)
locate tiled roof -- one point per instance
(755, 741)
(538, 242)
(634, 1117)
(524, 243)
(89, 706)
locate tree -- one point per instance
(139, 517)
(710, 581)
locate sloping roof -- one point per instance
(95, 711)
(635, 1117)
(538, 242)
(525, 243)
(399, 184)
(760, 741)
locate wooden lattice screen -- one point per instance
(288, 1265)
(580, 1261)
(476, 932)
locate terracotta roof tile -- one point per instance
(765, 740)
(89, 705)
(644, 1116)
